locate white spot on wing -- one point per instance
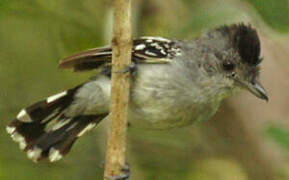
(163, 52)
(177, 51)
(54, 155)
(23, 116)
(150, 53)
(10, 130)
(86, 129)
(140, 47)
(55, 97)
(155, 45)
(34, 154)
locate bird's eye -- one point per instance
(228, 66)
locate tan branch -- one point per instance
(120, 85)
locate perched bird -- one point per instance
(176, 82)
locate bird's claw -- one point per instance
(130, 68)
(124, 176)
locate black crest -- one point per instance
(245, 39)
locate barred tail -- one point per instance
(44, 131)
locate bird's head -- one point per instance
(237, 52)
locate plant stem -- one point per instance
(120, 85)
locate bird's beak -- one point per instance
(255, 88)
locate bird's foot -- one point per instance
(130, 68)
(125, 176)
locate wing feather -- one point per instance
(145, 50)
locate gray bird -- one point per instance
(175, 83)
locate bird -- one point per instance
(175, 83)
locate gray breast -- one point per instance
(164, 96)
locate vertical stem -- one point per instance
(120, 85)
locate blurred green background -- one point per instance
(247, 139)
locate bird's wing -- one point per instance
(145, 50)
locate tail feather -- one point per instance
(49, 108)
(44, 131)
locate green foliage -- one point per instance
(275, 13)
(209, 16)
(279, 135)
(217, 169)
(2, 3)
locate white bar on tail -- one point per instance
(86, 129)
(34, 154)
(54, 155)
(18, 138)
(56, 96)
(24, 116)
(10, 130)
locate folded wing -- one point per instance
(145, 50)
